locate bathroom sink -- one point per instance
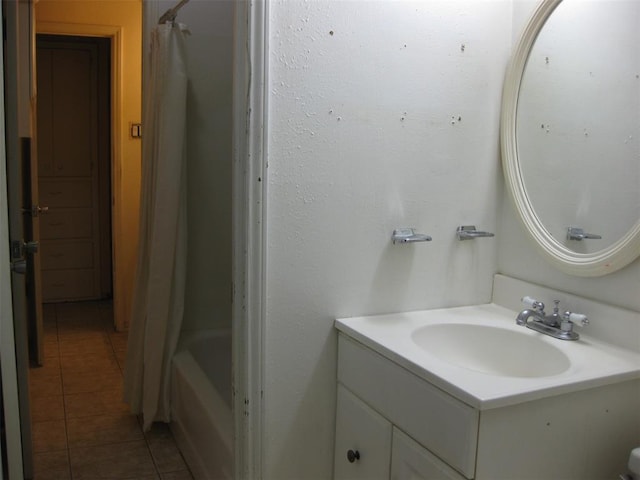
(491, 350)
(479, 355)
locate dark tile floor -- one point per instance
(81, 428)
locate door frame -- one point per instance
(117, 153)
(249, 215)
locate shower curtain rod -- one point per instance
(170, 15)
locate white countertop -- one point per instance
(593, 363)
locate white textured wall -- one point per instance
(209, 63)
(519, 257)
(382, 114)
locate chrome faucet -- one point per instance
(555, 325)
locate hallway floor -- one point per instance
(81, 428)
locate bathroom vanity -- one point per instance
(410, 409)
(466, 393)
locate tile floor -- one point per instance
(81, 428)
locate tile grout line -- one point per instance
(64, 403)
(153, 459)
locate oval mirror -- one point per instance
(570, 133)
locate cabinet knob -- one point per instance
(352, 456)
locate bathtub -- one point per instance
(201, 419)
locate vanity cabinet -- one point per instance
(435, 420)
(393, 424)
(369, 447)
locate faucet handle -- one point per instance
(577, 233)
(532, 303)
(408, 235)
(576, 318)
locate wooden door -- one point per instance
(73, 125)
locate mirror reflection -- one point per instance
(578, 122)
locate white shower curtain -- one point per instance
(158, 301)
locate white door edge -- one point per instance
(8, 367)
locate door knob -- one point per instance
(19, 266)
(36, 210)
(20, 247)
(31, 247)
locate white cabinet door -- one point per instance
(411, 461)
(363, 440)
(435, 419)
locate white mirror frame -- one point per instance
(608, 260)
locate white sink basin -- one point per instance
(479, 355)
(491, 350)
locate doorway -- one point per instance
(73, 125)
(81, 426)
